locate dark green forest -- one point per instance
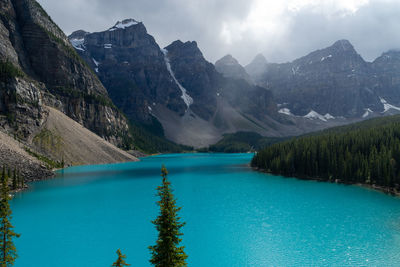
(366, 152)
(147, 141)
(241, 142)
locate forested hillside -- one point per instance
(367, 152)
(242, 142)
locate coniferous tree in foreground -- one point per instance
(120, 262)
(8, 252)
(167, 252)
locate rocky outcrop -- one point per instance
(386, 76)
(53, 70)
(198, 76)
(14, 156)
(132, 67)
(39, 67)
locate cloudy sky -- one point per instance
(280, 29)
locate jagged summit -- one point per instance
(79, 34)
(190, 48)
(343, 45)
(188, 44)
(126, 23)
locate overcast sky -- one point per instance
(280, 29)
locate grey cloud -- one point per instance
(373, 29)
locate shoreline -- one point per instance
(386, 190)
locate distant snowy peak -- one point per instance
(315, 115)
(124, 24)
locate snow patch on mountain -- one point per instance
(329, 116)
(285, 111)
(124, 24)
(78, 44)
(323, 58)
(96, 63)
(387, 106)
(315, 115)
(185, 96)
(368, 111)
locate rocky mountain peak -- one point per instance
(80, 34)
(126, 23)
(343, 45)
(188, 48)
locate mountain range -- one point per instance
(178, 94)
(81, 99)
(334, 82)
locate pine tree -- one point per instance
(120, 262)
(167, 252)
(8, 252)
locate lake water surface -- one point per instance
(235, 216)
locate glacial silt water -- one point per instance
(234, 216)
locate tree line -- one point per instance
(366, 153)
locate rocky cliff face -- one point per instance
(175, 85)
(206, 85)
(335, 81)
(196, 75)
(40, 68)
(51, 72)
(386, 76)
(229, 67)
(132, 67)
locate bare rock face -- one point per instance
(132, 67)
(386, 76)
(196, 75)
(39, 68)
(147, 83)
(52, 72)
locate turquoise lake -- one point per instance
(234, 216)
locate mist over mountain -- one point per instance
(230, 67)
(335, 81)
